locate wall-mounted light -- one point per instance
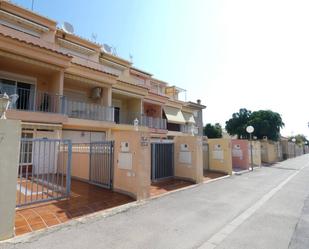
(136, 124)
(4, 104)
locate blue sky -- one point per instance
(229, 54)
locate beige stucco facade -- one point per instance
(9, 158)
(269, 152)
(132, 163)
(220, 155)
(189, 158)
(68, 69)
(68, 86)
(256, 153)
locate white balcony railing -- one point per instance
(36, 101)
(151, 122)
(189, 129)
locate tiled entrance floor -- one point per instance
(85, 199)
(165, 186)
(209, 175)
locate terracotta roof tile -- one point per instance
(34, 44)
(94, 69)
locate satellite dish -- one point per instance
(68, 27)
(107, 48)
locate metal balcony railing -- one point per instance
(83, 110)
(36, 101)
(151, 122)
(124, 117)
(188, 128)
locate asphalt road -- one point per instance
(264, 209)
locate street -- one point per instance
(264, 209)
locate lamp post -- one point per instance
(4, 105)
(294, 140)
(250, 130)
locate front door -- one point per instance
(162, 160)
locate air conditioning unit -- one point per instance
(96, 93)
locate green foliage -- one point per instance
(238, 123)
(213, 131)
(300, 139)
(265, 122)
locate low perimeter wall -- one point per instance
(189, 158)
(220, 155)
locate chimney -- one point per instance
(198, 101)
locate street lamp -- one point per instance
(4, 105)
(294, 140)
(250, 130)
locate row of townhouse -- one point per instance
(228, 155)
(83, 120)
(68, 87)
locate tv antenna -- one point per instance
(131, 58)
(94, 37)
(114, 50)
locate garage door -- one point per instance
(83, 136)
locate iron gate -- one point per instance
(44, 170)
(101, 163)
(162, 160)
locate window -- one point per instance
(117, 115)
(24, 93)
(173, 127)
(26, 148)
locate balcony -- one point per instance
(189, 129)
(36, 101)
(122, 117)
(152, 122)
(83, 110)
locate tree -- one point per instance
(300, 139)
(266, 123)
(213, 131)
(238, 123)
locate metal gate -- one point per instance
(162, 160)
(44, 171)
(101, 163)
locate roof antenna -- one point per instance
(131, 58)
(32, 3)
(114, 50)
(94, 37)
